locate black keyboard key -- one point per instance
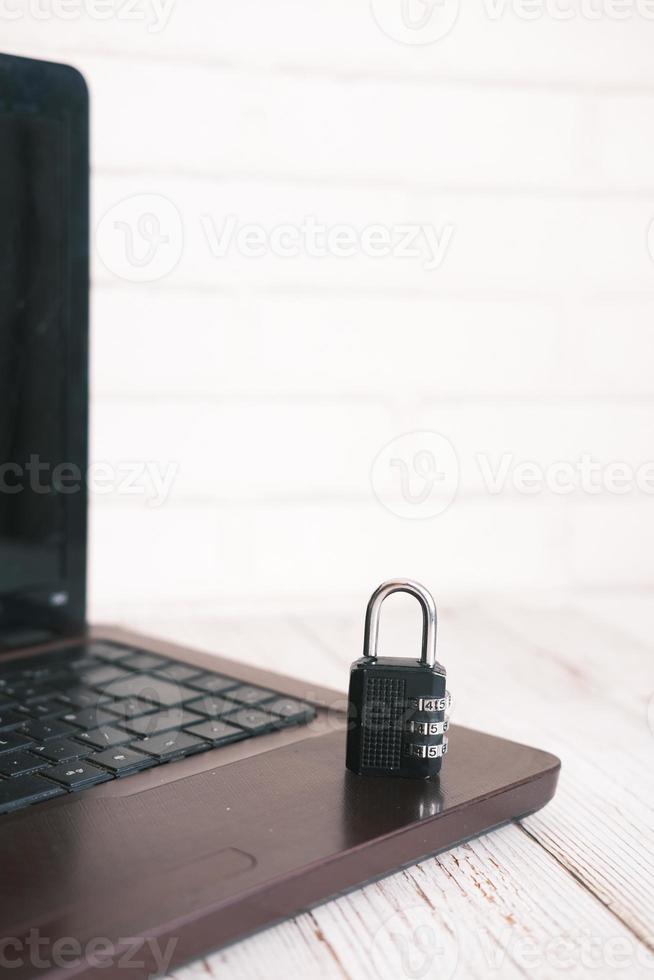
(159, 691)
(89, 718)
(123, 761)
(68, 657)
(293, 712)
(10, 719)
(78, 774)
(83, 665)
(8, 682)
(73, 659)
(13, 742)
(60, 750)
(178, 672)
(217, 732)
(111, 652)
(82, 697)
(253, 720)
(161, 721)
(212, 706)
(41, 731)
(247, 694)
(20, 763)
(23, 790)
(172, 745)
(42, 673)
(104, 738)
(143, 661)
(50, 708)
(212, 683)
(28, 693)
(131, 707)
(101, 676)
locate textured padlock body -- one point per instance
(380, 702)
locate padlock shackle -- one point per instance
(429, 619)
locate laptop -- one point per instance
(156, 802)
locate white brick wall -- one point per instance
(272, 383)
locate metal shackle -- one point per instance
(429, 622)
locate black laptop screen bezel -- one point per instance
(59, 92)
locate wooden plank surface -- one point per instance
(570, 890)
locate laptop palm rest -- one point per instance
(225, 852)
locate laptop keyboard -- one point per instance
(80, 716)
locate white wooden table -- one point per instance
(568, 891)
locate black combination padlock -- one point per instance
(398, 707)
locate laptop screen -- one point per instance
(32, 331)
(43, 327)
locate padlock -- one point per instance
(398, 707)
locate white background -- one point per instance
(273, 383)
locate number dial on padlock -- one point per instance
(427, 727)
(398, 706)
